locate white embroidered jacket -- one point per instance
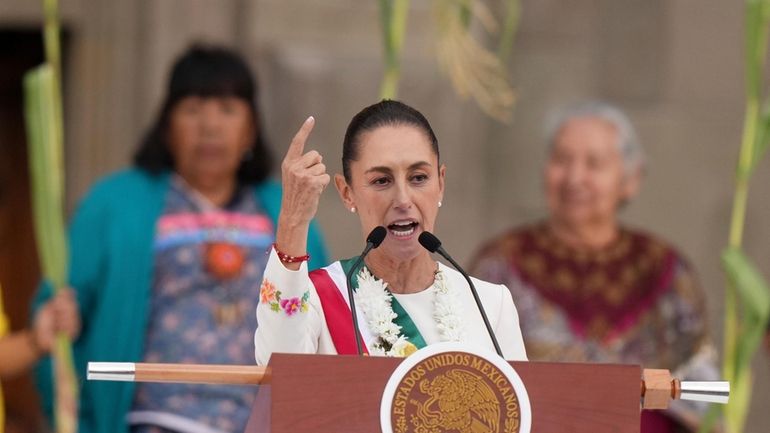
(296, 323)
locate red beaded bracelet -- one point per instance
(285, 258)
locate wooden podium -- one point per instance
(343, 393)
(337, 394)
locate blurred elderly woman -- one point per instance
(166, 257)
(589, 289)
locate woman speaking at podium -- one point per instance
(403, 298)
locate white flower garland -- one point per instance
(447, 311)
(374, 299)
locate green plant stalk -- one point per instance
(51, 194)
(737, 220)
(738, 371)
(740, 397)
(731, 371)
(393, 18)
(46, 136)
(52, 44)
(46, 172)
(757, 28)
(389, 86)
(49, 228)
(510, 25)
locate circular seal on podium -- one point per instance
(454, 387)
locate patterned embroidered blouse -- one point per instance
(199, 317)
(636, 301)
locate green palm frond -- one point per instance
(47, 173)
(747, 296)
(45, 136)
(474, 70)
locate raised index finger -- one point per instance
(297, 145)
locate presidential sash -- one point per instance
(331, 286)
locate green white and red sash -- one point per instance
(330, 284)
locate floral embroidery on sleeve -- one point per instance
(267, 292)
(272, 297)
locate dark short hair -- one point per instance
(384, 113)
(207, 71)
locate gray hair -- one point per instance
(628, 143)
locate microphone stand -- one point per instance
(432, 244)
(373, 241)
(349, 280)
(475, 298)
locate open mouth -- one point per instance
(402, 228)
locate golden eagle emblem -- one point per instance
(458, 401)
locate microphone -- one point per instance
(375, 238)
(431, 243)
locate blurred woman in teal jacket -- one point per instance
(166, 257)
